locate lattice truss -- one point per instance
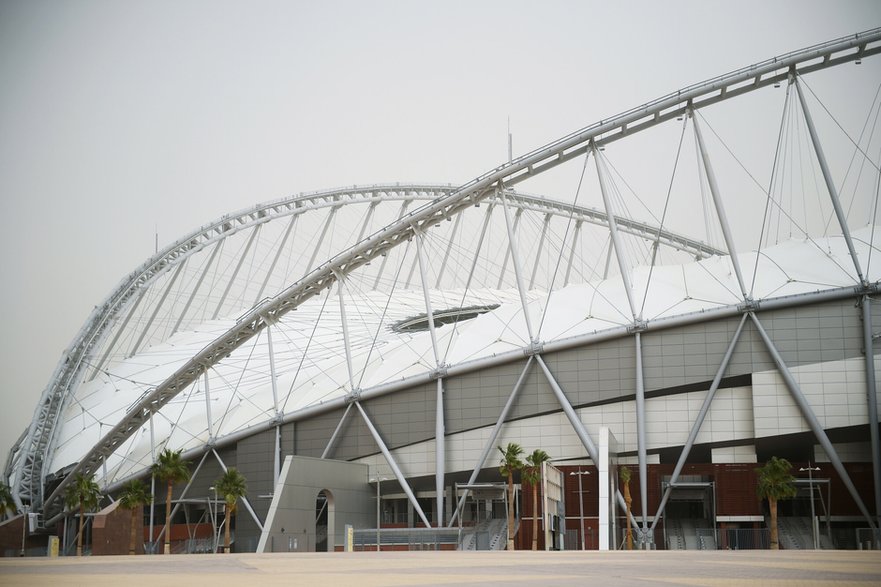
(319, 299)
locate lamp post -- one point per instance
(378, 481)
(24, 528)
(810, 471)
(213, 513)
(579, 474)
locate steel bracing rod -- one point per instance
(640, 432)
(275, 258)
(572, 252)
(809, 416)
(699, 420)
(717, 202)
(608, 259)
(479, 247)
(183, 494)
(494, 435)
(331, 443)
(830, 183)
(345, 323)
(192, 296)
(327, 223)
(394, 465)
(452, 240)
(515, 260)
(541, 241)
(573, 418)
(385, 257)
(508, 251)
(577, 425)
(613, 233)
(208, 408)
(872, 402)
(158, 307)
(243, 498)
(235, 272)
(574, 145)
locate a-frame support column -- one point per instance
(699, 420)
(491, 441)
(393, 465)
(809, 416)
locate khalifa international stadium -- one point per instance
(359, 354)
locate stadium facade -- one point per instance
(400, 333)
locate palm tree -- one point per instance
(134, 497)
(231, 485)
(7, 504)
(171, 468)
(624, 474)
(510, 463)
(532, 474)
(82, 493)
(775, 482)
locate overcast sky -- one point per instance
(118, 119)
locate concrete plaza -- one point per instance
(369, 569)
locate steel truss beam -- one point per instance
(605, 131)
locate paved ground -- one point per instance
(712, 569)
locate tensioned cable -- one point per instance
(664, 214)
(562, 248)
(765, 215)
(234, 392)
(838, 124)
(306, 350)
(755, 181)
(384, 312)
(629, 187)
(874, 221)
(868, 143)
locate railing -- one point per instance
(408, 539)
(869, 538)
(744, 538)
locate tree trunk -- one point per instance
(79, 535)
(535, 517)
(510, 545)
(134, 532)
(226, 515)
(627, 501)
(772, 504)
(168, 518)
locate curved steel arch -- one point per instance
(38, 438)
(697, 96)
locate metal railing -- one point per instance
(411, 538)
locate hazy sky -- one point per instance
(120, 118)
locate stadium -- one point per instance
(359, 354)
